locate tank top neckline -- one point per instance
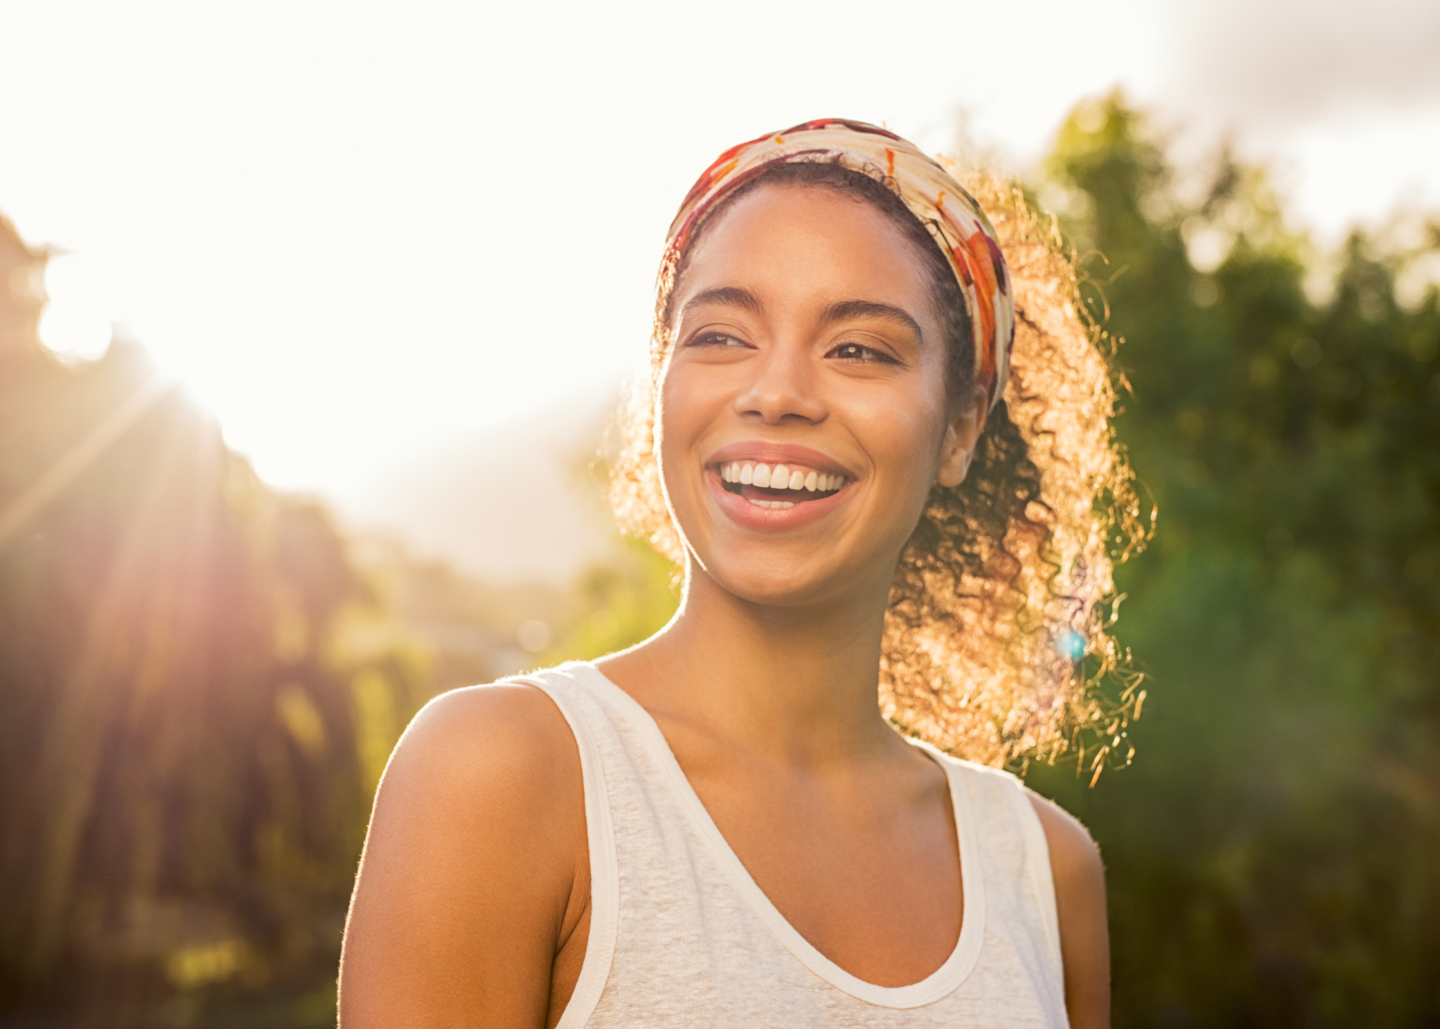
(939, 984)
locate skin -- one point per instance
(803, 319)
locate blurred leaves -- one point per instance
(623, 602)
(1271, 851)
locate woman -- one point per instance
(721, 826)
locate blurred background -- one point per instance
(312, 315)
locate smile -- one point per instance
(779, 486)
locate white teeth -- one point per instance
(773, 505)
(747, 473)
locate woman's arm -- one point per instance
(1080, 899)
(475, 874)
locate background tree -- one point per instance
(187, 745)
(1272, 850)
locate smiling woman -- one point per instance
(1003, 577)
(876, 440)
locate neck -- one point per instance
(797, 684)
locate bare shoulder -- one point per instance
(497, 761)
(1073, 852)
(473, 866)
(506, 735)
(1079, 877)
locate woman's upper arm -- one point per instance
(475, 847)
(1079, 878)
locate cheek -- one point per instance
(903, 432)
(687, 403)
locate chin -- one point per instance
(798, 584)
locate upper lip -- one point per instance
(779, 453)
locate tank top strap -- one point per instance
(1017, 861)
(596, 740)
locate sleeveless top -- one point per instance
(681, 936)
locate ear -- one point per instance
(962, 433)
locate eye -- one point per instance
(860, 352)
(719, 339)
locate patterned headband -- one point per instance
(960, 228)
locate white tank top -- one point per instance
(680, 935)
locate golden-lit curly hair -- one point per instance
(995, 638)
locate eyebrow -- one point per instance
(728, 296)
(848, 309)
(845, 310)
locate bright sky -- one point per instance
(355, 228)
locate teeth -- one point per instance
(773, 505)
(748, 473)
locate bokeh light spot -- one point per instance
(74, 325)
(534, 635)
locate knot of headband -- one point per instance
(960, 228)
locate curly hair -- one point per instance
(995, 639)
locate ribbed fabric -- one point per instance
(680, 935)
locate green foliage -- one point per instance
(1272, 850)
(622, 604)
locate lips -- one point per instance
(775, 486)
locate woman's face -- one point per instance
(803, 412)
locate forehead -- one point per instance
(798, 239)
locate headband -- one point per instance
(960, 228)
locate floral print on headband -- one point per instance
(960, 228)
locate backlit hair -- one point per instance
(995, 640)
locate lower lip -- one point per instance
(773, 519)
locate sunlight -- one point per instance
(75, 325)
(18, 511)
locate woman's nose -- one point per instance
(784, 386)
